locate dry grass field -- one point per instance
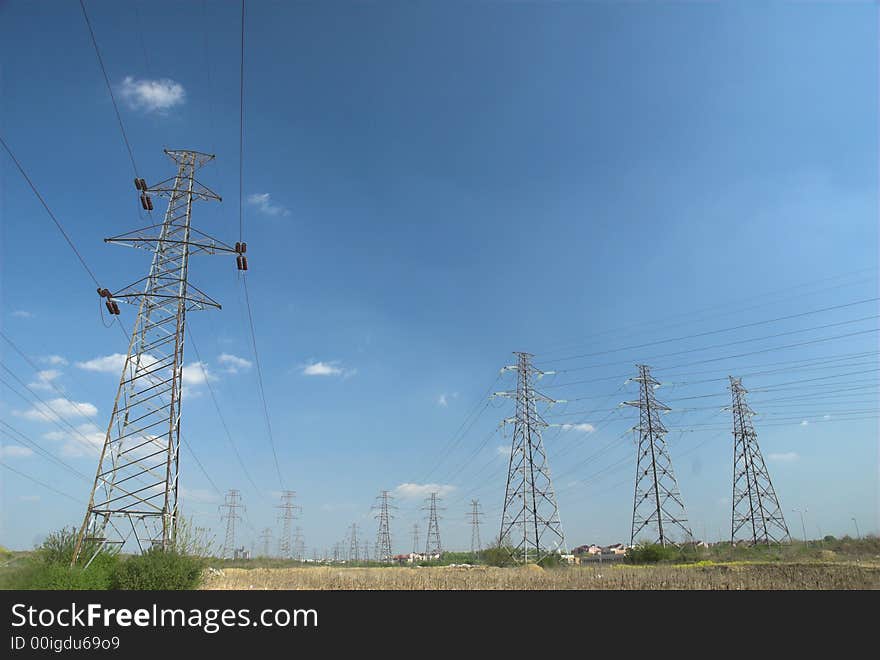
(700, 576)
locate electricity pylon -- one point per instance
(299, 544)
(229, 512)
(383, 535)
(133, 500)
(657, 502)
(266, 539)
(756, 514)
(529, 498)
(288, 511)
(476, 546)
(415, 538)
(433, 546)
(353, 547)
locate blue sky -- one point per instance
(429, 187)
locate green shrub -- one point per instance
(499, 555)
(157, 570)
(553, 560)
(651, 553)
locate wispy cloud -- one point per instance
(86, 440)
(112, 363)
(45, 379)
(331, 368)
(805, 423)
(14, 451)
(581, 428)
(152, 95)
(22, 314)
(263, 203)
(54, 360)
(412, 491)
(196, 373)
(54, 408)
(785, 457)
(233, 364)
(199, 495)
(502, 450)
(443, 399)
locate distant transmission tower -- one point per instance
(657, 501)
(229, 512)
(365, 551)
(529, 499)
(383, 535)
(476, 546)
(353, 547)
(756, 514)
(415, 538)
(133, 500)
(288, 511)
(433, 546)
(266, 539)
(299, 544)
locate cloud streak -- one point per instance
(415, 491)
(263, 203)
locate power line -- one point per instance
(37, 481)
(109, 88)
(241, 135)
(17, 435)
(49, 211)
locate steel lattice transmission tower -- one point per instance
(529, 498)
(353, 547)
(133, 501)
(756, 514)
(288, 512)
(299, 544)
(229, 512)
(433, 546)
(383, 535)
(415, 538)
(657, 502)
(476, 545)
(266, 540)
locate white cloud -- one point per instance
(502, 450)
(88, 440)
(443, 399)
(233, 363)
(29, 498)
(54, 360)
(107, 364)
(196, 373)
(410, 491)
(263, 202)
(582, 428)
(331, 368)
(827, 417)
(785, 457)
(152, 95)
(54, 408)
(44, 379)
(805, 423)
(14, 451)
(22, 314)
(199, 495)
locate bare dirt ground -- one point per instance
(699, 576)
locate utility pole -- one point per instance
(657, 502)
(133, 500)
(415, 538)
(433, 546)
(803, 524)
(756, 515)
(383, 535)
(529, 499)
(229, 512)
(856, 523)
(288, 511)
(476, 546)
(265, 539)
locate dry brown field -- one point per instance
(701, 576)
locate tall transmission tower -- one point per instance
(529, 498)
(433, 546)
(299, 544)
(353, 547)
(229, 512)
(756, 514)
(415, 538)
(383, 534)
(657, 502)
(133, 500)
(288, 511)
(476, 545)
(265, 540)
